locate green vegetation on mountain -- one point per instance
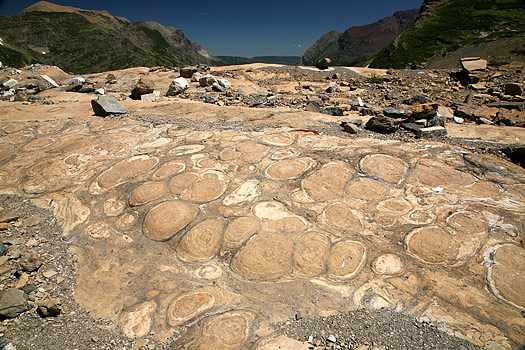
(83, 41)
(445, 26)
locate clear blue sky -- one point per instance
(244, 28)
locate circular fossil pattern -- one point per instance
(166, 219)
(265, 256)
(123, 172)
(433, 173)
(6, 150)
(188, 306)
(126, 221)
(431, 244)
(246, 192)
(202, 242)
(180, 182)
(227, 331)
(505, 275)
(288, 169)
(278, 139)
(388, 264)
(238, 231)
(366, 189)
(137, 321)
(168, 169)
(147, 192)
(252, 152)
(205, 190)
(346, 260)
(38, 144)
(340, 217)
(396, 206)
(114, 207)
(186, 149)
(311, 253)
(385, 167)
(327, 183)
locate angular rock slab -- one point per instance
(106, 105)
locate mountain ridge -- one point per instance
(48, 33)
(359, 43)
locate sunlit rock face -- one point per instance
(218, 233)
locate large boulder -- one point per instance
(207, 80)
(45, 83)
(513, 89)
(381, 124)
(473, 64)
(187, 72)
(144, 86)
(177, 86)
(106, 105)
(324, 63)
(8, 84)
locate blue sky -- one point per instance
(244, 28)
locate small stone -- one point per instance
(218, 88)
(211, 99)
(49, 307)
(513, 89)
(31, 243)
(435, 131)
(417, 99)
(350, 128)
(49, 273)
(154, 96)
(458, 120)
(111, 78)
(100, 91)
(30, 263)
(333, 87)
(3, 259)
(332, 338)
(484, 121)
(22, 281)
(177, 86)
(4, 226)
(12, 303)
(106, 105)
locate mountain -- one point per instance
(447, 30)
(232, 60)
(85, 41)
(359, 43)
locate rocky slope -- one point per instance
(359, 43)
(448, 29)
(48, 33)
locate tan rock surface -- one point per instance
(212, 232)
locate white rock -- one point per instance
(177, 86)
(100, 91)
(196, 77)
(77, 80)
(11, 83)
(224, 83)
(360, 102)
(49, 80)
(458, 120)
(154, 96)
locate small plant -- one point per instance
(375, 79)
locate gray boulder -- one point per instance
(177, 86)
(196, 77)
(154, 96)
(106, 105)
(333, 87)
(224, 83)
(49, 307)
(12, 303)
